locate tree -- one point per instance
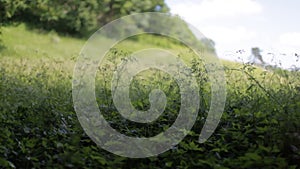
(256, 55)
(113, 9)
(74, 16)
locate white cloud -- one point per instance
(287, 45)
(230, 39)
(290, 39)
(195, 10)
(224, 35)
(284, 48)
(227, 23)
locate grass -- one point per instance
(39, 128)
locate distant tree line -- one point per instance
(73, 16)
(83, 17)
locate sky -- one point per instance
(239, 25)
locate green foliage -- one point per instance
(113, 9)
(10, 8)
(73, 16)
(39, 128)
(64, 16)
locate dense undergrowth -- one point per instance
(39, 127)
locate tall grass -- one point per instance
(39, 128)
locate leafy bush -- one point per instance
(73, 16)
(39, 128)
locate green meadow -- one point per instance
(259, 128)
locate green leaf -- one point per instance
(253, 156)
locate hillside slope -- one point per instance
(39, 128)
